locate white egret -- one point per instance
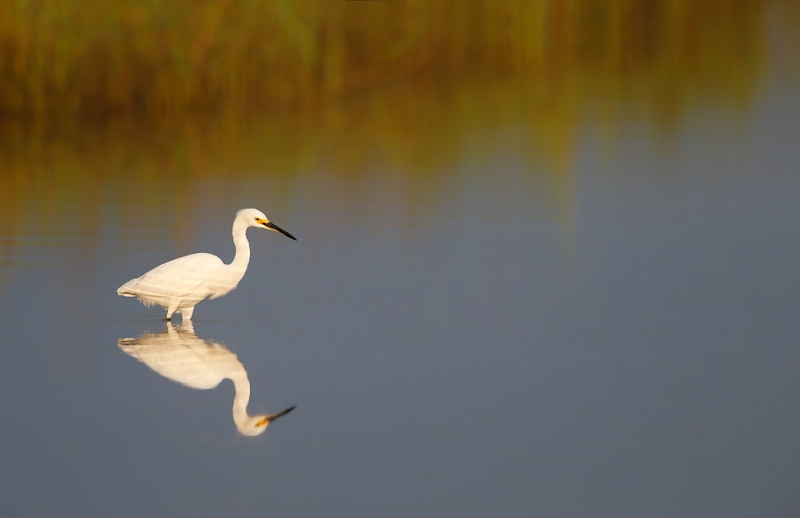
(183, 357)
(183, 282)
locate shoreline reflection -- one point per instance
(178, 354)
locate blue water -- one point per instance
(620, 342)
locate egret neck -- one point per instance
(241, 385)
(242, 257)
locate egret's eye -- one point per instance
(255, 219)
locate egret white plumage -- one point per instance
(180, 284)
(180, 355)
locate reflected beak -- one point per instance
(272, 226)
(272, 417)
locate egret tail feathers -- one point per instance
(126, 290)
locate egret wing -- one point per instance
(176, 278)
(177, 362)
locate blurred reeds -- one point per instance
(98, 99)
(152, 58)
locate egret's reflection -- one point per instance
(180, 355)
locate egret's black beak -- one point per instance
(276, 228)
(270, 418)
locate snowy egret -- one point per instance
(183, 282)
(183, 357)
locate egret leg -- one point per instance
(187, 313)
(170, 311)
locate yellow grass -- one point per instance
(95, 58)
(99, 99)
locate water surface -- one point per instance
(468, 325)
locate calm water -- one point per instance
(616, 338)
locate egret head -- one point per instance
(256, 425)
(256, 218)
